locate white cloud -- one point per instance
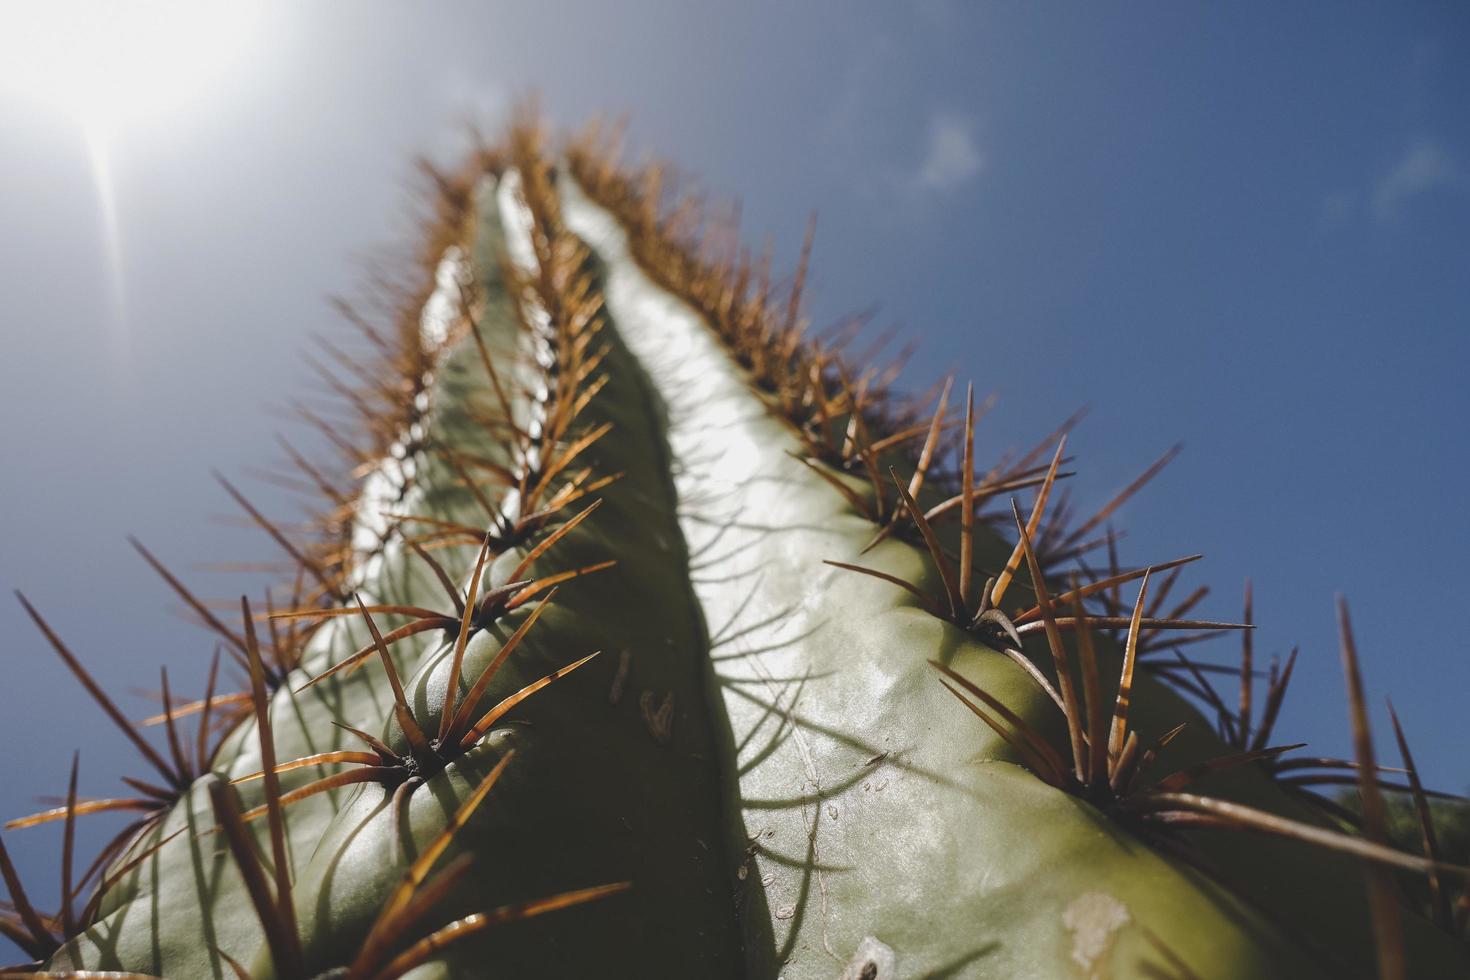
(953, 157)
(1423, 167)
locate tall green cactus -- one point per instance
(667, 643)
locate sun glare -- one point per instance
(111, 64)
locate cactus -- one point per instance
(659, 639)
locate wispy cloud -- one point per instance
(1424, 166)
(952, 156)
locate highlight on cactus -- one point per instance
(646, 632)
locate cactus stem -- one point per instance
(508, 467)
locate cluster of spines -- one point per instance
(383, 954)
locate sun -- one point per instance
(115, 66)
(111, 65)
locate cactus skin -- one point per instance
(761, 747)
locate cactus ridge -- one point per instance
(647, 608)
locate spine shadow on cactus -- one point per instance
(598, 428)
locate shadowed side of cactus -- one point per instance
(658, 639)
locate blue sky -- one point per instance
(1244, 229)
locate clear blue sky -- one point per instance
(1248, 230)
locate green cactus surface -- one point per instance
(652, 637)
